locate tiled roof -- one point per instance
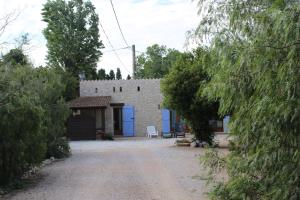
(90, 102)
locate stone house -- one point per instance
(118, 107)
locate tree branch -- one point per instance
(7, 19)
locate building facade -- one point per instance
(119, 107)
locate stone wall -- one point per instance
(146, 102)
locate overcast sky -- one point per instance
(144, 22)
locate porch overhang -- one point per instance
(90, 102)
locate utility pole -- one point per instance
(133, 62)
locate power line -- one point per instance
(113, 49)
(112, 5)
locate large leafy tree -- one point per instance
(256, 77)
(181, 87)
(72, 36)
(155, 62)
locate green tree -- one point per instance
(71, 83)
(15, 57)
(107, 77)
(101, 74)
(111, 75)
(181, 88)
(72, 36)
(128, 77)
(256, 77)
(155, 62)
(118, 74)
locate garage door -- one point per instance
(82, 128)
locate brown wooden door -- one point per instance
(83, 126)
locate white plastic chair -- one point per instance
(151, 131)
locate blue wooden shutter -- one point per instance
(128, 121)
(165, 120)
(225, 124)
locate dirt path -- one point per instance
(122, 170)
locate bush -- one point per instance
(32, 117)
(58, 148)
(22, 141)
(56, 111)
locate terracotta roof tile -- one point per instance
(90, 102)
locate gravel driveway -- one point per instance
(134, 169)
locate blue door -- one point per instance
(128, 121)
(225, 124)
(165, 120)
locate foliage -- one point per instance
(111, 75)
(214, 162)
(128, 77)
(71, 84)
(32, 116)
(72, 36)
(101, 74)
(181, 88)
(58, 148)
(56, 111)
(22, 141)
(155, 62)
(15, 57)
(118, 74)
(256, 77)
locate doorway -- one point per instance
(118, 118)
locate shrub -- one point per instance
(58, 148)
(56, 111)
(22, 141)
(32, 117)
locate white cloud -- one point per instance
(144, 22)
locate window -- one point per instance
(96, 90)
(114, 89)
(158, 106)
(138, 88)
(120, 89)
